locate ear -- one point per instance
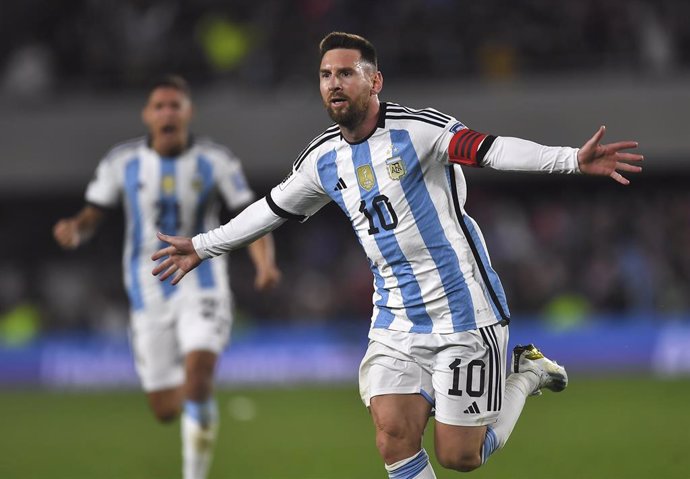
(377, 84)
(144, 115)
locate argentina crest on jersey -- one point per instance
(396, 168)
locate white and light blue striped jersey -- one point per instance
(175, 195)
(404, 195)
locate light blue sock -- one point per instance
(490, 444)
(204, 413)
(415, 467)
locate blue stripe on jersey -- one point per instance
(132, 192)
(393, 255)
(328, 174)
(168, 219)
(204, 170)
(435, 240)
(493, 277)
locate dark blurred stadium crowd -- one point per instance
(46, 45)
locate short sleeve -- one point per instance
(232, 183)
(104, 188)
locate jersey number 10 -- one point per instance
(387, 220)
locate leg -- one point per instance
(200, 417)
(468, 381)
(166, 404)
(531, 372)
(400, 420)
(459, 447)
(393, 386)
(199, 369)
(202, 332)
(157, 361)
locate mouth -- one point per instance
(338, 101)
(168, 129)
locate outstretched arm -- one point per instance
(72, 232)
(516, 154)
(607, 160)
(185, 254)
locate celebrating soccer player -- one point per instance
(170, 181)
(439, 328)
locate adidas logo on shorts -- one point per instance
(473, 409)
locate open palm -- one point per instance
(607, 160)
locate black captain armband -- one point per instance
(281, 212)
(468, 147)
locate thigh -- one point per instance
(468, 377)
(157, 356)
(203, 321)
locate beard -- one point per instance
(352, 114)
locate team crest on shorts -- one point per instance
(365, 177)
(396, 168)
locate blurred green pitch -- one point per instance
(598, 428)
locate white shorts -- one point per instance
(163, 334)
(461, 374)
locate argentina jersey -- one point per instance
(175, 195)
(404, 195)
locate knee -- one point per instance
(166, 415)
(396, 443)
(459, 461)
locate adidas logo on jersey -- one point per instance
(473, 409)
(340, 185)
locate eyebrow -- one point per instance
(341, 69)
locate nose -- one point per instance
(333, 83)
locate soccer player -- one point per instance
(439, 329)
(171, 181)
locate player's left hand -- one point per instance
(267, 277)
(179, 258)
(607, 160)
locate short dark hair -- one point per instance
(171, 81)
(352, 42)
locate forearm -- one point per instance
(262, 252)
(516, 154)
(87, 221)
(252, 223)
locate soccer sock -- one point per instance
(518, 387)
(199, 430)
(415, 467)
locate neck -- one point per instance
(169, 149)
(367, 126)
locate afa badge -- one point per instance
(168, 184)
(396, 168)
(365, 177)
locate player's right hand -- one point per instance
(66, 233)
(179, 258)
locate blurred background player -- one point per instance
(170, 181)
(439, 328)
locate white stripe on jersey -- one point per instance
(174, 195)
(396, 189)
